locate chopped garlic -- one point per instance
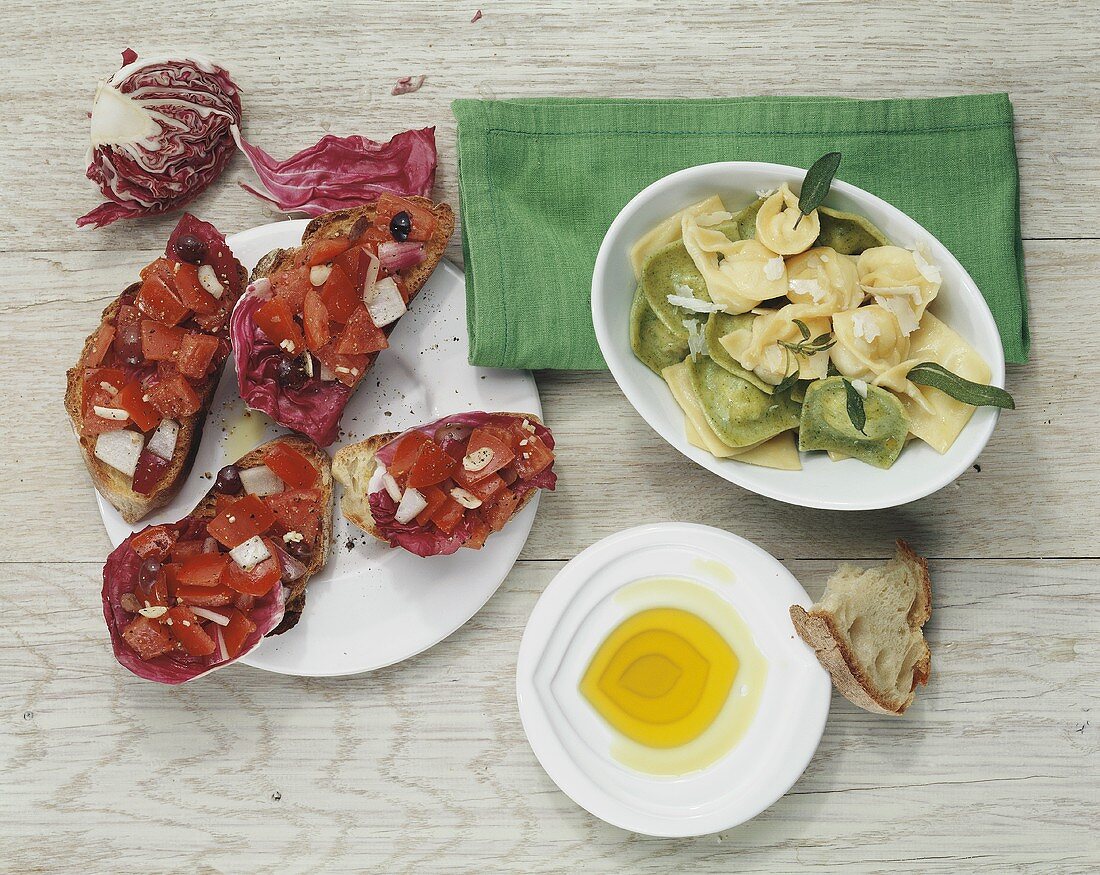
(293, 538)
(153, 612)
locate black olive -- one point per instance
(228, 481)
(148, 574)
(290, 372)
(401, 226)
(300, 550)
(191, 249)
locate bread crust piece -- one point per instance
(342, 222)
(363, 453)
(114, 485)
(819, 630)
(296, 597)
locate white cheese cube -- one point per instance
(120, 450)
(386, 304)
(261, 481)
(163, 440)
(412, 502)
(251, 553)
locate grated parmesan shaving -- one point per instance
(693, 304)
(922, 258)
(773, 268)
(697, 343)
(861, 387)
(864, 327)
(809, 287)
(902, 310)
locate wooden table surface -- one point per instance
(424, 767)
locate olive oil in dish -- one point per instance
(679, 691)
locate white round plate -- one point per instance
(577, 611)
(372, 606)
(846, 485)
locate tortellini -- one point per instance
(776, 221)
(901, 280)
(869, 342)
(759, 348)
(825, 279)
(668, 232)
(746, 274)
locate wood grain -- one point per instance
(424, 767)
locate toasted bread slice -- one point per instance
(296, 597)
(343, 223)
(354, 465)
(114, 485)
(867, 631)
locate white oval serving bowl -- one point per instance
(580, 608)
(822, 483)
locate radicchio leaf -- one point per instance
(314, 409)
(342, 172)
(160, 135)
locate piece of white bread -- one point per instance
(867, 631)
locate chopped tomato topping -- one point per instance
(128, 315)
(159, 342)
(276, 320)
(406, 453)
(449, 515)
(433, 465)
(183, 550)
(297, 510)
(347, 368)
(243, 602)
(245, 517)
(485, 488)
(161, 588)
(371, 236)
(153, 542)
(292, 286)
(315, 320)
(184, 626)
(532, 456)
(361, 335)
(354, 262)
(500, 511)
(95, 393)
(235, 634)
(99, 346)
(340, 296)
(256, 582)
(423, 222)
(147, 637)
(132, 400)
(326, 250)
(157, 301)
(174, 397)
(479, 531)
(191, 291)
(205, 569)
(486, 438)
(293, 468)
(196, 353)
(435, 498)
(150, 468)
(214, 596)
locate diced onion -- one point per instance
(396, 256)
(212, 616)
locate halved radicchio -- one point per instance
(120, 576)
(429, 540)
(314, 409)
(160, 135)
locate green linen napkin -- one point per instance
(541, 180)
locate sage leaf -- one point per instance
(974, 394)
(815, 187)
(854, 402)
(788, 380)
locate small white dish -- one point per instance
(578, 610)
(845, 485)
(372, 606)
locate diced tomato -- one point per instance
(196, 353)
(340, 296)
(100, 344)
(245, 517)
(128, 315)
(132, 400)
(276, 320)
(157, 301)
(256, 582)
(160, 342)
(406, 453)
(315, 319)
(154, 542)
(150, 468)
(354, 263)
(449, 515)
(435, 498)
(495, 441)
(326, 250)
(372, 235)
(213, 323)
(532, 457)
(187, 630)
(243, 602)
(500, 511)
(297, 510)
(191, 291)
(293, 468)
(94, 393)
(485, 488)
(479, 531)
(205, 569)
(161, 268)
(292, 286)
(183, 550)
(389, 205)
(147, 637)
(161, 589)
(214, 596)
(347, 368)
(174, 397)
(361, 335)
(433, 465)
(236, 633)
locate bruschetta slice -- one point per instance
(448, 484)
(314, 318)
(140, 393)
(187, 598)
